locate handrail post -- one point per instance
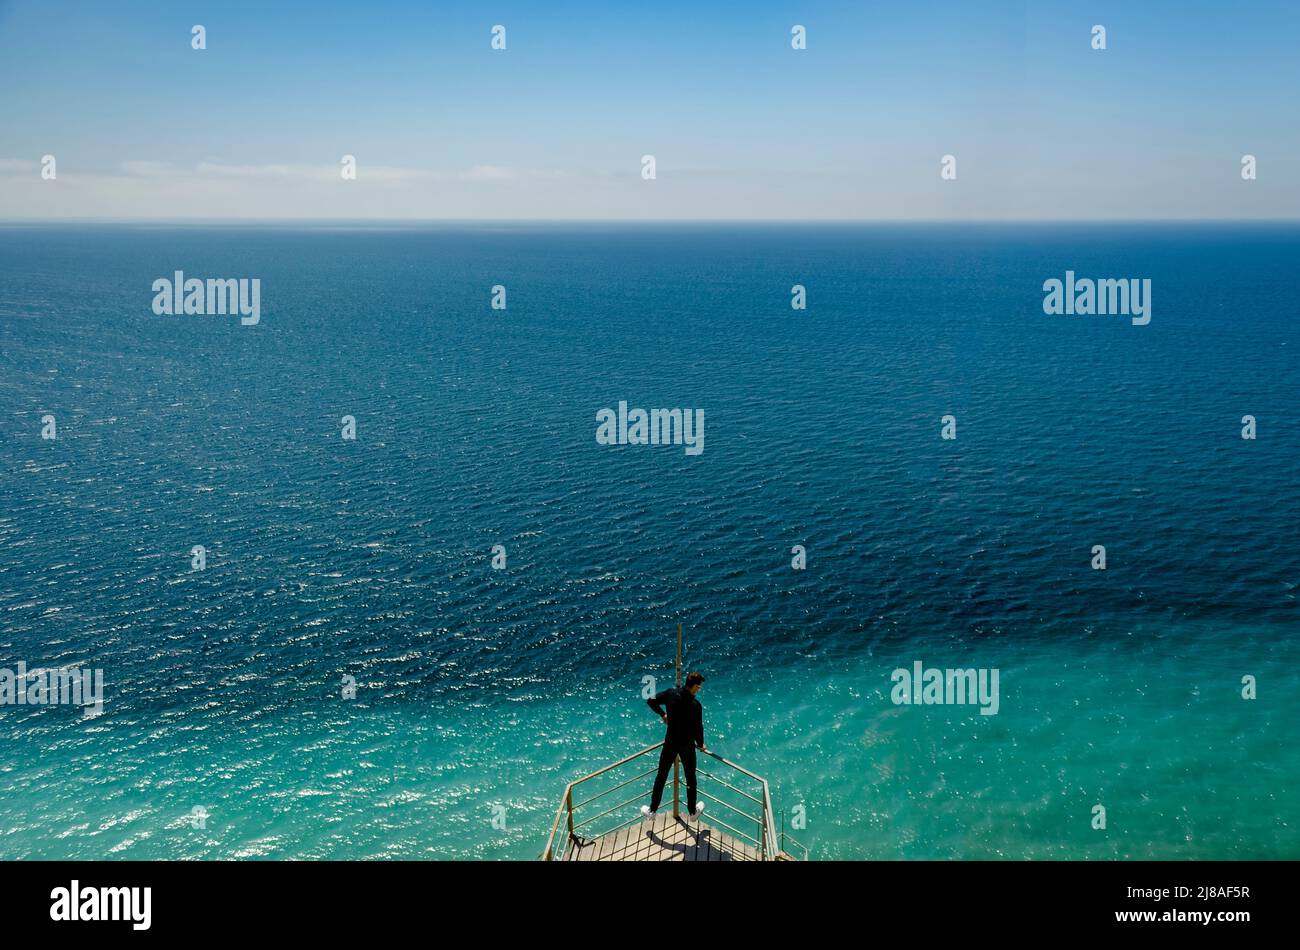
(769, 823)
(677, 759)
(568, 801)
(676, 797)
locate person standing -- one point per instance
(684, 717)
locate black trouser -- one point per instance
(670, 752)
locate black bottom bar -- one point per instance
(349, 900)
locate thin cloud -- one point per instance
(499, 173)
(146, 169)
(304, 172)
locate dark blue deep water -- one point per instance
(479, 688)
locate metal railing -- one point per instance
(742, 807)
(788, 843)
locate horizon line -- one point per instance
(415, 222)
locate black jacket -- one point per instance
(685, 716)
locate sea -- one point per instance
(405, 644)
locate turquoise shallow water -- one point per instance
(481, 688)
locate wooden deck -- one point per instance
(663, 838)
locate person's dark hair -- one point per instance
(694, 679)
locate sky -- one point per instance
(741, 126)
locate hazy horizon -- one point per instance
(742, 126)
(701, 222)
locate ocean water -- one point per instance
(480, 693)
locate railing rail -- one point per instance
(788, 842)
(764, 840)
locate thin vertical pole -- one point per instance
(679, 654)
(676, 761)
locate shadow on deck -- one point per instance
(662, 838)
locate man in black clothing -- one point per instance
(684, 717)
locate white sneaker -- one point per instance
(699, 807)
(646, 812)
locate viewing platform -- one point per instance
(737, 823)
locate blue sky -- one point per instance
(741, 125)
